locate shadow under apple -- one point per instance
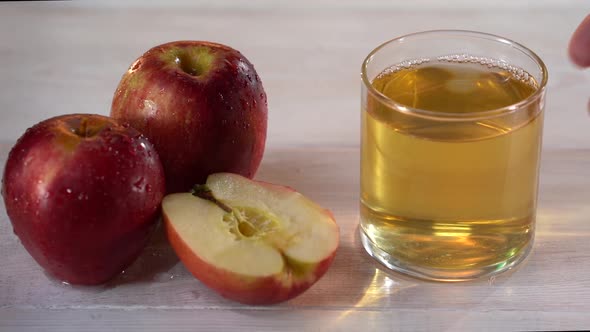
(156, 259)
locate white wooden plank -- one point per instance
(449, 5)
(293, 320)
(551, 287)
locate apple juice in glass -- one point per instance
(450, 150)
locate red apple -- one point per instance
(83, 193)
(201, 104)
(253, 242)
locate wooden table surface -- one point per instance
(67, 57)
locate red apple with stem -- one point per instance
(83, 193)
(203, 107)
(253, 242)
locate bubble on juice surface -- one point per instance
(516, 72)
(402, 65)
(459, 83)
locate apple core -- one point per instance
(251, 222)
(244, 221)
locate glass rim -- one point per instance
(433, 115)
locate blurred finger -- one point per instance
(579, 47)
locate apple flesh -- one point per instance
(252, 242)
(203, 107)
(83, 193)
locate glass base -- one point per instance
(450, 275)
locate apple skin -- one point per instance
(83, 193)
(267, 290)
(203, 107)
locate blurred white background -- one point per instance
(67, 57)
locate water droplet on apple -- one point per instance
(138, 184)
(245, 103)
(148, 188)
(68, 190)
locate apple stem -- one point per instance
(83, 128)
(204, 192)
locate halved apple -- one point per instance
(252, 242)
